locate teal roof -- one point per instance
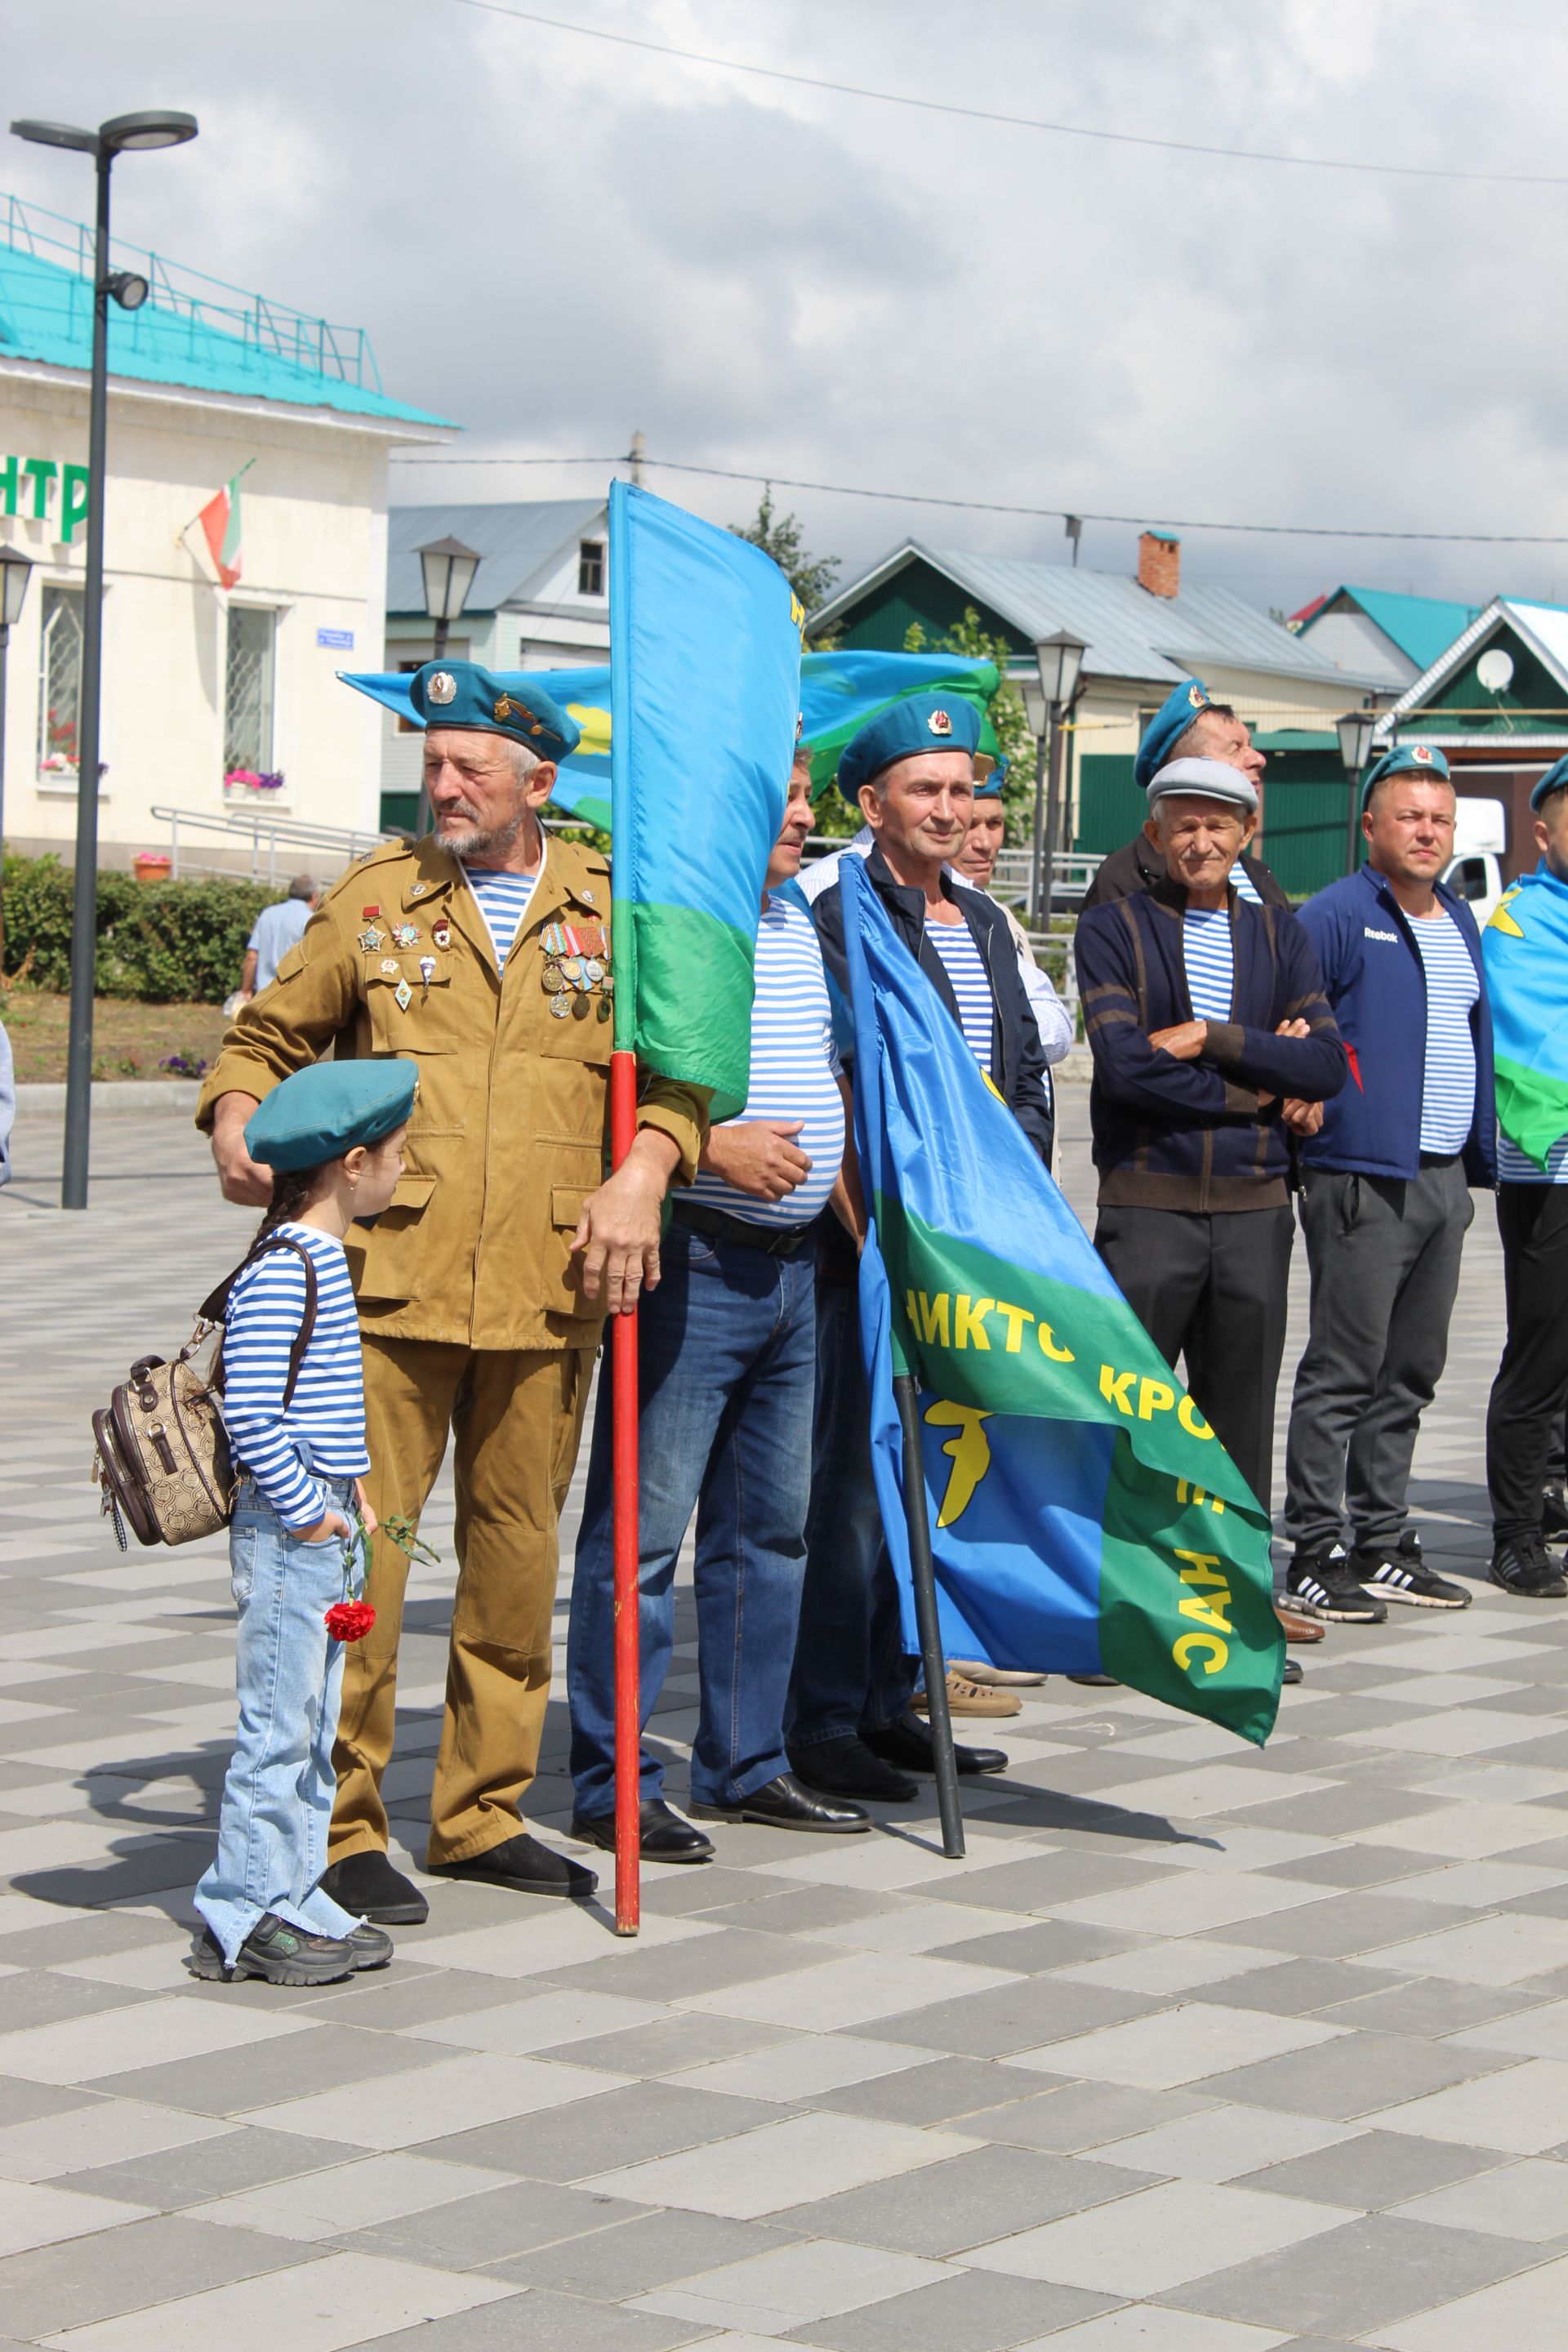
(192, 330)
(1422, 627)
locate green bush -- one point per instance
(163, 942)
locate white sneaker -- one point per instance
(999, 1677)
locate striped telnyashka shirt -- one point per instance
(503, 902)
(961, 961)
(1448, 1078)
(1211, 968)
(266, 1309)
(795, 1067)
(1242, 881)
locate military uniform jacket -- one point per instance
(509, 1129)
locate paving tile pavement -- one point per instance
(1199, 2051)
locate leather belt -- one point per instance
(786, 1241)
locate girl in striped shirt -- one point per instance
(333, 1137)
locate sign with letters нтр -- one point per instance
(27, 487)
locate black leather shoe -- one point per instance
(367, 1885)
(665, 1837)
(524, 1866)
(1096, 1682)
(783, 1804)
(846, 1767)
(1292, 1669)
(907, 1744)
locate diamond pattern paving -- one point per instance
(1199, 2050)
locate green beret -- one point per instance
(1181, 706)
(462, 694)
(1409, 759)
(324, 1111)
(921, 722)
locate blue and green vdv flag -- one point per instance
(1084, 1516)
(704, 695)
(1525, 946)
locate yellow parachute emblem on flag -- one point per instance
(1502, 921)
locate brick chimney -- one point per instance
(1160, 565)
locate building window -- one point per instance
(249, 690)
(60, 680)
(591, 567)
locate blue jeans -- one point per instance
(851, 1671)
(727, 1349)
(278, 1794)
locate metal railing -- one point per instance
(264, 836)
(275, 330)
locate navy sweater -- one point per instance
(1194, 1135)
(1377, 985)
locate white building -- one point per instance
(539, 600)
(200, 684)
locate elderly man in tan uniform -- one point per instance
(481, 953)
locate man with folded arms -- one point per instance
(1205, 1015)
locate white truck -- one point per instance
(1475, 870)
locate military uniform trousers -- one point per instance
(515, 1417)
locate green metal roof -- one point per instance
(193, 329)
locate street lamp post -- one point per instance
(15, 570)
(448, 569)
(1058, 663)
(125, 134)
(1355, 731)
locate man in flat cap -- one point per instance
(853, 1731)
(1386, 1171)
(1205, 1012)
(482, 952)
(1188, 725)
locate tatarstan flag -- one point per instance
(1084, 1516)
(219, 519)
(705, 694)
(1526, 950)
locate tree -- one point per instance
(780, 536)
(1009, 720)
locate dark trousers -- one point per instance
(1531, 1384)
(850, 1672)
(1384, 1253)
(1212, 1288)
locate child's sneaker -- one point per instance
(370, 1947)
(279, 1952)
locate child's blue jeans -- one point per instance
(277, 1795)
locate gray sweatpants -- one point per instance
(1384, 1258)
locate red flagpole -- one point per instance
(623, 1366)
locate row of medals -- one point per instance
(576, 970)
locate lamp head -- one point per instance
(128, 289)
(57, 134)
(1060, 660)
(131, 133)
(15, 570)
(448, 569)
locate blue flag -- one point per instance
(1084, 1516)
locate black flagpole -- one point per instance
(931, 1659)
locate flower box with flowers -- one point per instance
(240, 781)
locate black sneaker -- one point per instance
(1322, 1583)
(1399, 1573)
(1554, 1510)
(276, 1950)
(370, 1947)
(1524, 1567)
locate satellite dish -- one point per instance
(1495, 670)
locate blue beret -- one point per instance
(1408, 758)
(462, 694)
(324, 1110)
(1554, 780)
(989, 787)
(922, 723)
(1165, 729)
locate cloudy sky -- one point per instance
(553, 239)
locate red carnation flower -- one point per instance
(350, 1621)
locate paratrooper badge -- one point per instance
(940, 723)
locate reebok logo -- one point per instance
(1392, 936)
